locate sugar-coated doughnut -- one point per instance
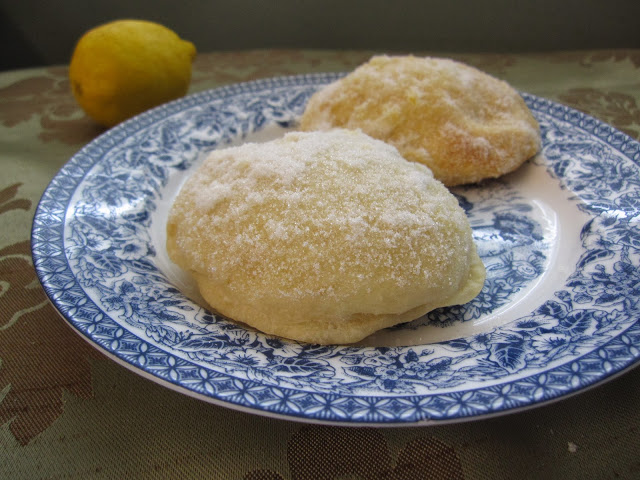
(322, 237)
(464, 124)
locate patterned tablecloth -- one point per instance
(67, 411)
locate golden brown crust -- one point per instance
(463, 124)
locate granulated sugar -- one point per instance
(463, 124)
(333, 222)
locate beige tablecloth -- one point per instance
(67, 411)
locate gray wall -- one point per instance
(43, 32)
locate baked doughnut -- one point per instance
(463, 124)
(322, 237)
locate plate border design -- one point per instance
(47, 240)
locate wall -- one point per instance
(44, 31)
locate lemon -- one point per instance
(125, 67)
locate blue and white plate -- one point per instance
(559, 312)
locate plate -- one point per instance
(559, 312)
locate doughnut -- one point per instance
(322, 237)
(464, 124)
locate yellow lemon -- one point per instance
(125, 67)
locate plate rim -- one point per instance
(150, 117)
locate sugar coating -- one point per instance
(323, 237)
(463, 124)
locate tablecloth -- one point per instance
(68, 411)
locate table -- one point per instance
(67, 411)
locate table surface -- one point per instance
(67, 411)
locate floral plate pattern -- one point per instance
(559, 312)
